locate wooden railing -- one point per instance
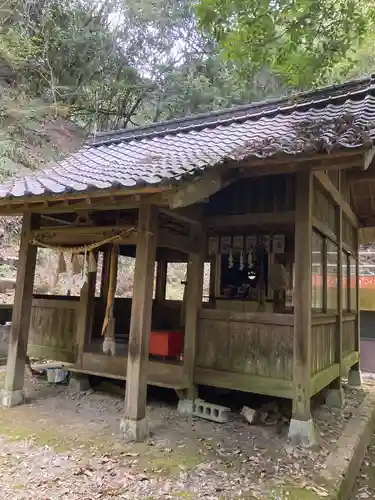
(323, 331)
(249, 343)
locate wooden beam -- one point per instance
(325, 161)
(186, 215)
(194, 292)
(80, 234)
(368, 157)
(134, 425)
(357, 342)
(250, 219)
(302, 294)
(109, 199)
(322, 228)
(104, 231)
(337, 197)
(161, 280)
(176, 241)
(270, 386)
(197, 190)
(15, 371)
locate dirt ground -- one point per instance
(64, 447)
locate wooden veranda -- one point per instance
(279, 232)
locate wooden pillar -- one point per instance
(335, 395)
(354, 376)
(85, 313)
(134, 426)
(357, 343)
(13, 393)
(193, 301)
(105, 275)
(301, 428)
(161, 280)
(212, 292)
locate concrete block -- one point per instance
(185, 407)
(134, 430)
(250, 415)
(78, 382)
(355, 378)
(302, 433)
(335, 398)
(215, 413)
(12, 398)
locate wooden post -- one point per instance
(105, 275)
(335, 397)
(161, 280)
(134, 426)
(91, 280)
(212, 292)
(354, 376)
(194, 292)
(301, 428)
(85, 314)
(109, 326)
(13, 393)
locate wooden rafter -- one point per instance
(335, 194)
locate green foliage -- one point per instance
(67, 53)
(300, 41)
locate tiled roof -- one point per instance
(339, 116)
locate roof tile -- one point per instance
(341, 116)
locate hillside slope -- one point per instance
(32, 134)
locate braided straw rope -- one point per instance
(84, 248)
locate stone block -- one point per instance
(335, 398)
(302, 433)
(12, 398)
(78, 382)
(355, 378)
(134, 430)
(250, 415)
(185, 407)
(209, 411)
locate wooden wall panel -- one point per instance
(53, 329)
(323, 344)
(348, 233)
(324, 208)
(272, 193)
(348, 335)
(242, 344)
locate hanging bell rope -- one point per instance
(111, 289)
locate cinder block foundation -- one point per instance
(209, 411)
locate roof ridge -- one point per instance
(236, 113)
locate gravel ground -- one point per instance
(59, 447)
